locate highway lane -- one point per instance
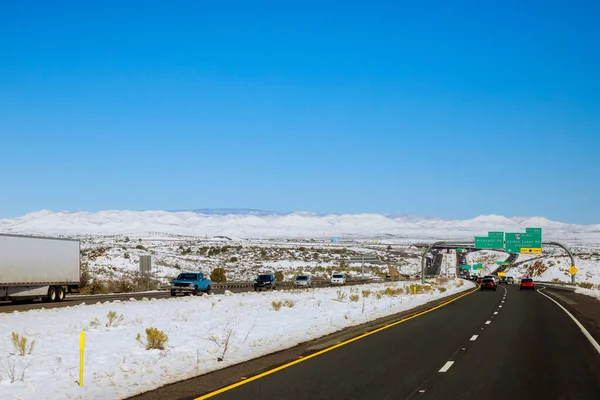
(488, 345)
(530, 350)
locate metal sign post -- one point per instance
(364, 259)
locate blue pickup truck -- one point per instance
(191, 283)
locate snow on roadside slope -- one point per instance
(117, 366)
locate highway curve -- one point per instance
(500, 345)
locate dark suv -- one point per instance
(266, 281)
(488, 283)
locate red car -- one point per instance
(479, 280)
(488, 283)
(527, 283)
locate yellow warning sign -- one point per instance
(527, 250)
(573, 270)
(501, 273)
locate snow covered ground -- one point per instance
(118, 366)
(549, 267)
(294, 225)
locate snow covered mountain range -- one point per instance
(262, 224)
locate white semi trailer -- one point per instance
(37, 268)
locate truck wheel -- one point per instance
(60, 293)
(208, 289)
(173, 293)
(51, 295)
(195, 292)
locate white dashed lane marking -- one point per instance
(474, 338)
(488, 322)
(447, 366)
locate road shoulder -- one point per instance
(585, 308)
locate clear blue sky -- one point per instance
(418, 107)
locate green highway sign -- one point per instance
(502, 262)
(496, 234)
(537, 231)
(516, 241)
(478, 266)
(459, 249)
(486, 242)
(465, 267)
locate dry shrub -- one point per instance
(354, 298)
(155, 339)
(21, 344)
(289, 303)
(585, 285)
(114, 319)
(442, 280)
(276, 305)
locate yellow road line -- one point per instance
(298, 361)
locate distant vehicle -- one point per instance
(527, 283)
(511, 280)
(338, 279)
(494, 277)
(479, 279)
(191, 283)
(266, 281)
(474, 277)
(37, 268)
(388, 277)
(488, 283)
(504, 279)
(303, 281)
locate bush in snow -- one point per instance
(276, 305)
(155, 339)
(354, 298)
(366, 293)
(114, 319)
(341, 295)
(289, 303)
(279, 276)
(218, 275)
(21, 344)
(585, 285)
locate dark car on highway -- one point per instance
(266, 281)
(527, 283)
(479, 279)
(488, 283)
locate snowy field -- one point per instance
(396, 229)
(200, 330)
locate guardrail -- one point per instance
(242, 285)
(559, 285)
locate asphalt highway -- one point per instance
(507, 344)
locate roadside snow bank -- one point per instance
(201, 330)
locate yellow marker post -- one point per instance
(81, 351)
(415, 290)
